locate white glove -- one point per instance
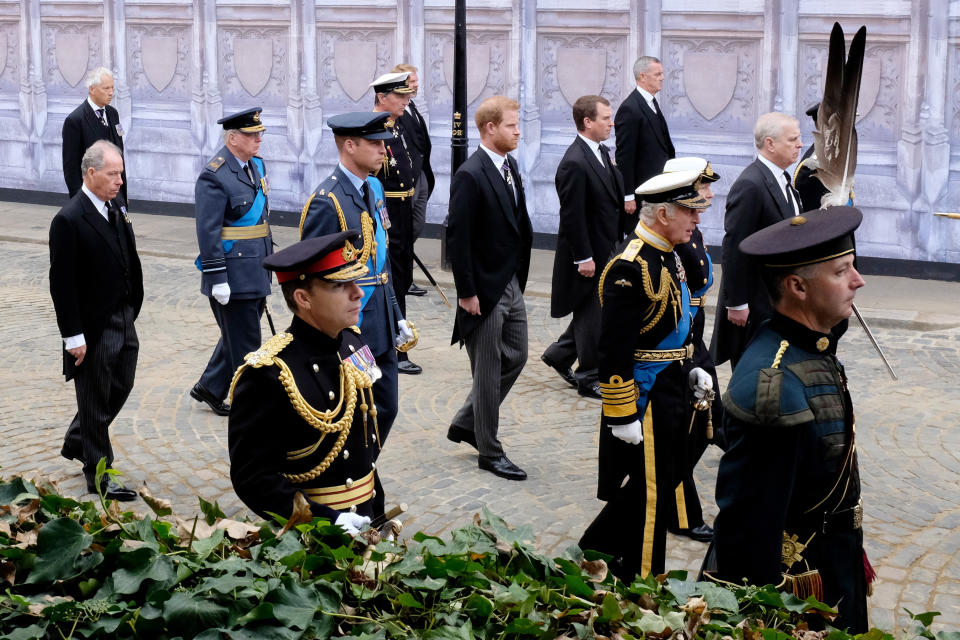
(351, 522)
(630, 433)
(700, 382)
(405, 335)
(221, 292)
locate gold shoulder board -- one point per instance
(632, 251)
(216, 163)
(262, 357)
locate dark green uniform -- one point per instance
(789, 477)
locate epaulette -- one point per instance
(772, 397)
(216, 163)
(262, 357)
(355, 329)
(632, 250)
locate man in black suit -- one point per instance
(97, 289)
(489, 237)
(591, 202)
(420, 148)
(761, 196)
(643, 139)
(93, 120)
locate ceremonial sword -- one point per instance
(432, 281)
(876, 345)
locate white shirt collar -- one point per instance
(646, 95)
(594, 146)
(93, 105)
(497, 159)
(99, 204)
(775, 170)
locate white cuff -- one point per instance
(629, 198)
(739, 307)
(582, 261)
(74, 341)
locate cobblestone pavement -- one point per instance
(907, 440)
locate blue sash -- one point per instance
(380, 239)
(253, 214)
(645, 373)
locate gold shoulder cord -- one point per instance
(303, 214)
(262, 357)
(366, 229)
(668, 291)
(783, 349)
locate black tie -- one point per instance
(605, 154)
(102, 117)
(789, 191)
(249, 173)
(663, 121)
(111, 214)
(366, 194)
(508, 178)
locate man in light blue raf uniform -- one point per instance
(350, 198)
(233, 232)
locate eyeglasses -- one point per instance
(254, 134)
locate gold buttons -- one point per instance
(351, 349)
(316, 368)
(349, 482)
(823, 343)
(346, 454)
(695, 246)
(331, 395)
(373, 465)
(701, 263)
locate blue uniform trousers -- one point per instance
(239, 322)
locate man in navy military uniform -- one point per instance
(352, 199)
(698, 268)
(646, 378)
(323, 445)
(788, 486)
(397, 175)
(233, 232)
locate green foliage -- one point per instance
(88, 570)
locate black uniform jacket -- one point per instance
(81, 128)
(755, 202)
(642, 309)
(269, 438)
(643, 142)
(806, 182)
(419, 144)
(94, 269)
(791, 468)
(591, 203)
(488, 236)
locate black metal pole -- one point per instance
(458, 139)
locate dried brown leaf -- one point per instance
(25, 512)
(237, 530)
(186, 527)
(26, 539)
(301, 513)
(130, 545)
(161, 506)
(596, 569)
(5, 528)
(8, 571)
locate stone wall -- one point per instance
(180, 64)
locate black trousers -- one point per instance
(401, 251)
(239, 322)
(579, 342)
(103, 382)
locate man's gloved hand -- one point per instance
(351, 522)
(221, 293)
(631, 433)
(407, 336)
(700, 382)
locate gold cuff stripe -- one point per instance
(369, 281)
(341, 496)
(663, 355)
(261, 230)
(400, 194)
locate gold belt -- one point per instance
(663, 355)
(261, 230)
(400, 194)
(343, 496)
(372, 281)
(698, 302)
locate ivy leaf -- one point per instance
(479, 608)
(610, 608)
(524, 626)
(187, 614)
(774, 634)
(407, 600)
(59, 545)
(33, 632)
(925, 618)
(719, 598)
(293, 604)
(430, 584)
(143, 564)
(451, 632)
(514, 594)
(211, 512)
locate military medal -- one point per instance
(382, 213)
(363, 360)
(393, 161)
(119, 129)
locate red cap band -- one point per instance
(329, 262)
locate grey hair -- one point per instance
(648, 212)
(642, 65)
(94, 155)
(770, 125)
(227, 132)
(95, 77)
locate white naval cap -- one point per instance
(679, 187)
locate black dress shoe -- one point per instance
(590, 390)
(567, 374)
(501, 466)
(71, 454)
(415, 290)
(703, 533)
(405, 366)
(218, 406)
(459, 434)
(113, 491)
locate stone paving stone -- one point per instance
(907, 442)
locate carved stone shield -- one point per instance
(355, 63)
(478, 68)
(73, 54)
(3, 52)
(580, 72)
(159, 56)
(709, 80)
(869, 86)
(253, 62)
